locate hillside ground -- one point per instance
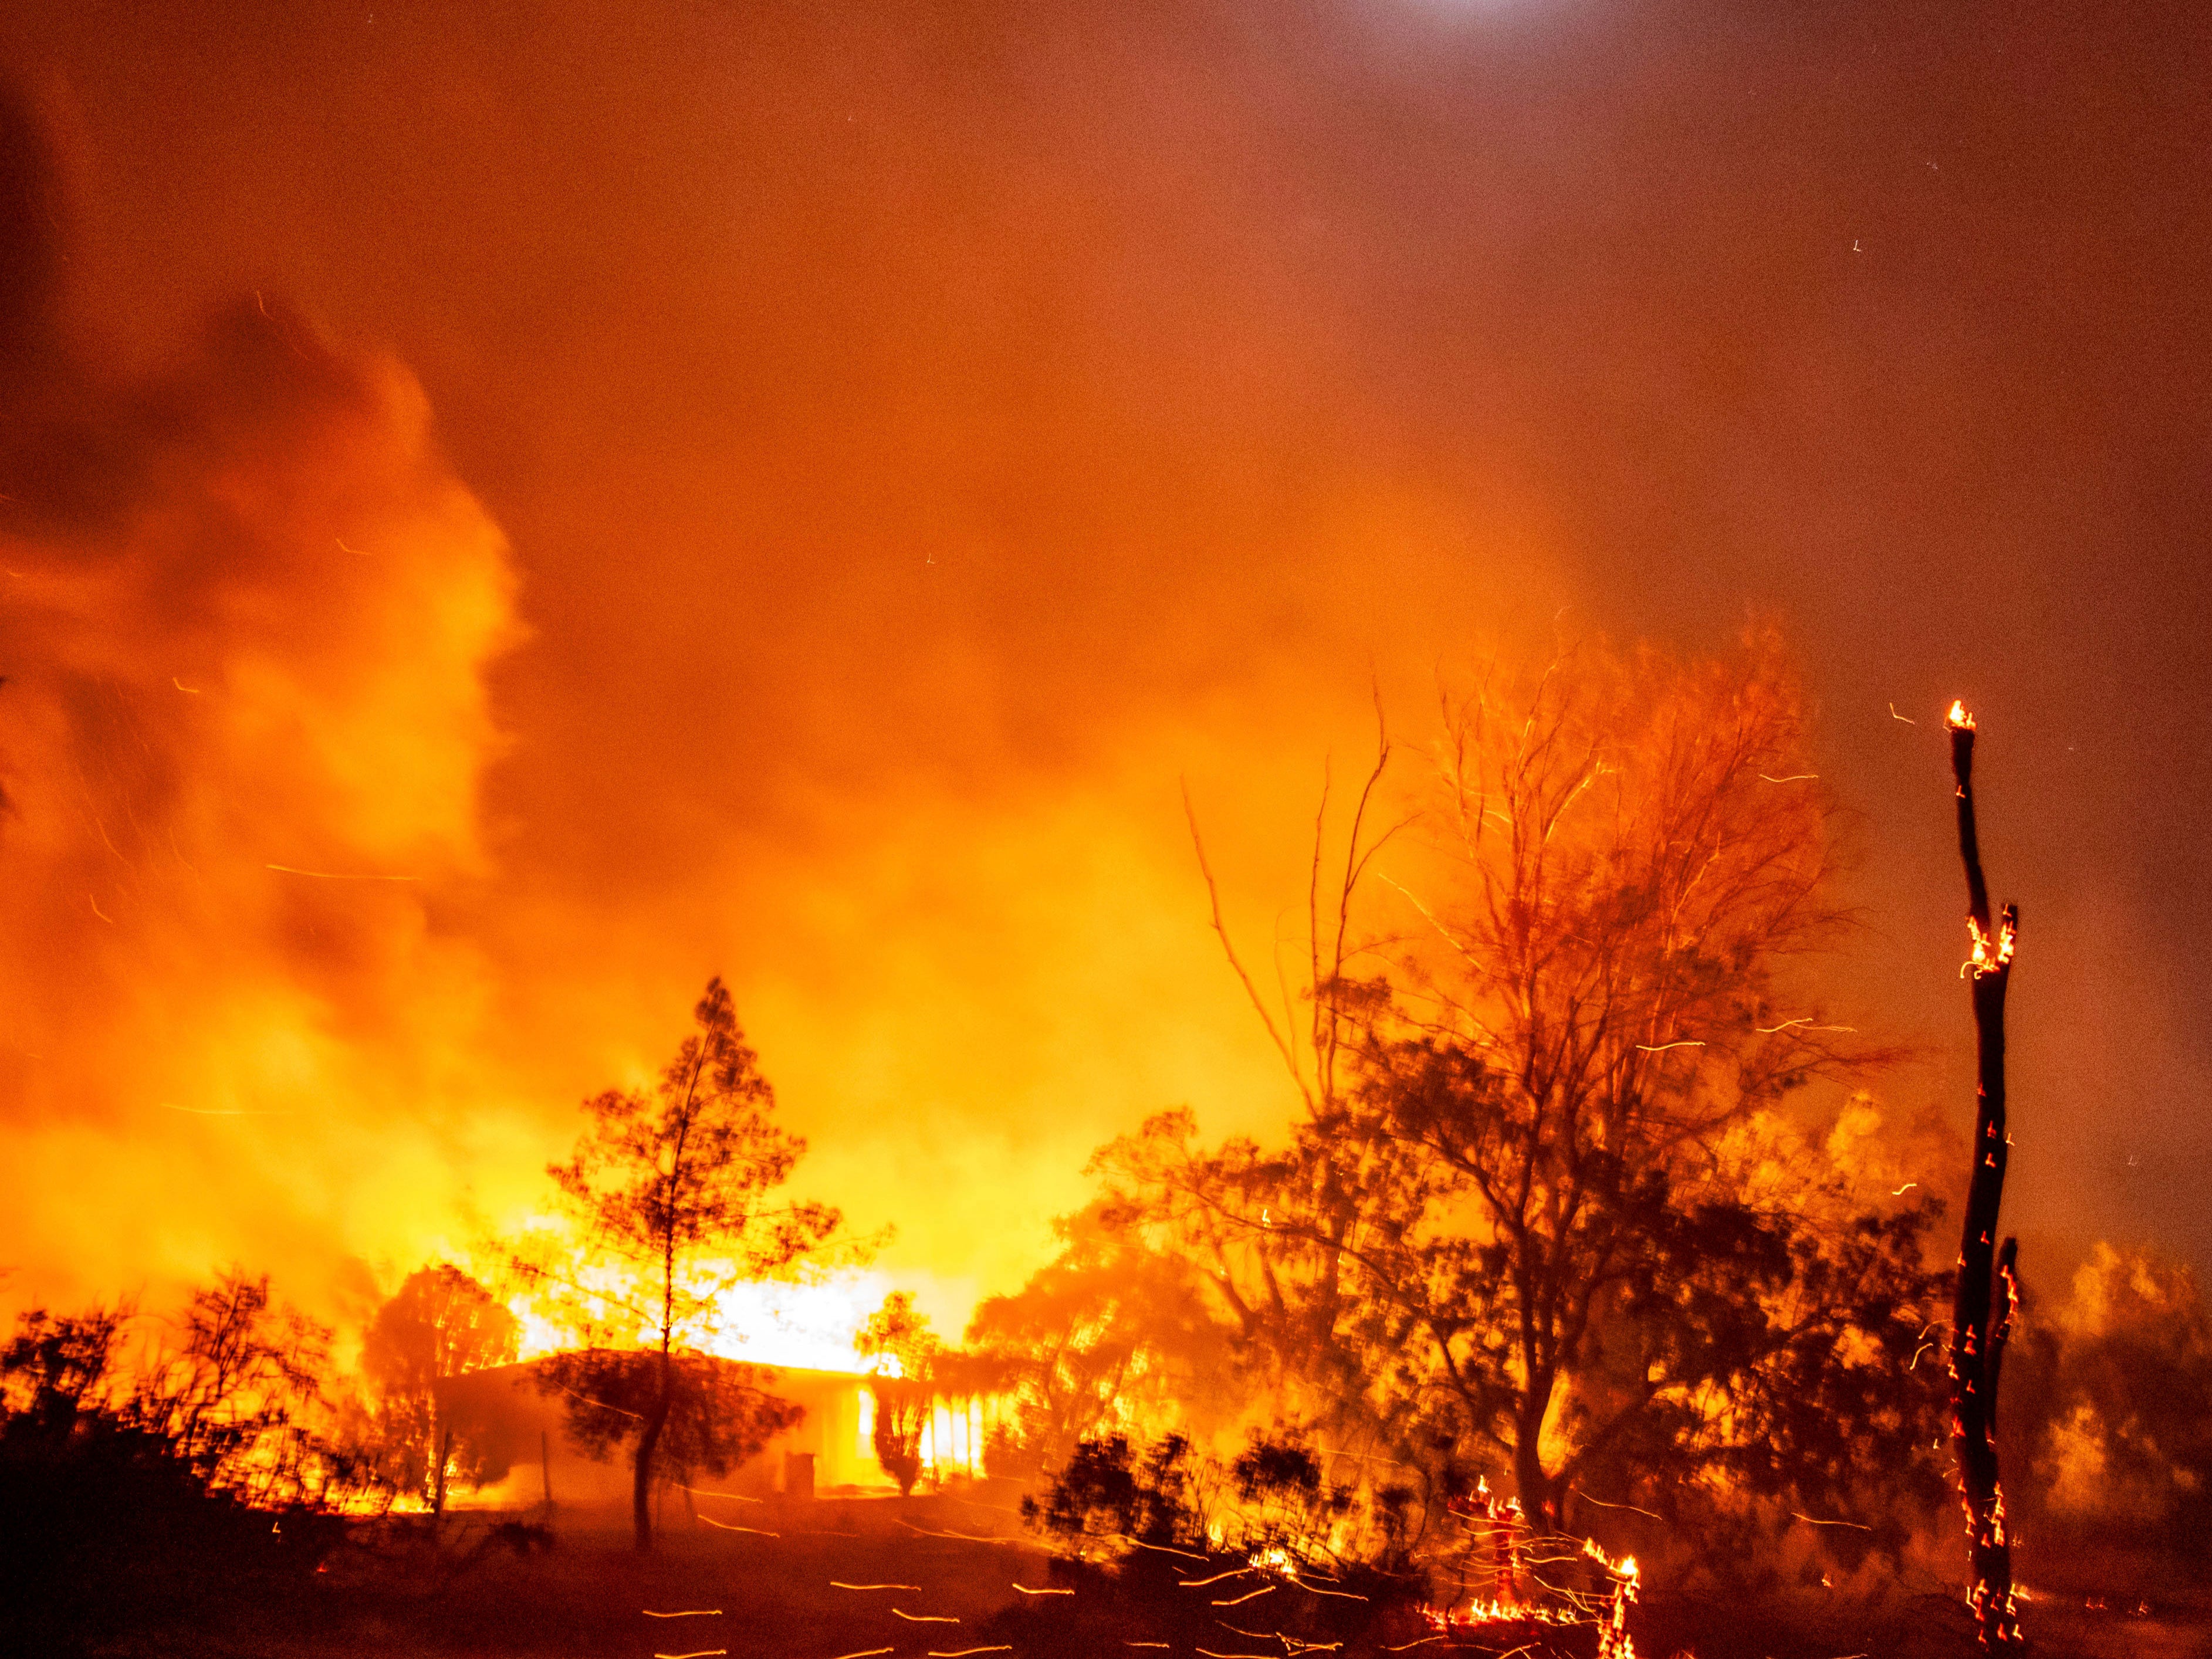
(943, 1576)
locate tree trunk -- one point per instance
(444, 1441)
(1980, 1324)
(648, 1443)
(1538, 1500)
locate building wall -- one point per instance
(526, 1431)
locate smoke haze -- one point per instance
(789, 494)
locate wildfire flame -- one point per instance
(801, 1326)
(1988, 957)
(1504, 1613)
(1958, 720)
(1607, 1613)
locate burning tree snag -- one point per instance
(1981, 1321)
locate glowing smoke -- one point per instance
(247, 615)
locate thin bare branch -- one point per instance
(1229, 948)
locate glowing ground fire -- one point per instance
(1516, 1554)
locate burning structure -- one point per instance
(523, 1428)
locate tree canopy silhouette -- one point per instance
(671, 1192)
(901, 1382)
(138, 1491)
(1110, 1335)
(440, 1323)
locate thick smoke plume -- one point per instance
(277, 993)
(245, 628)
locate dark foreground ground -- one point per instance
(930, 1578)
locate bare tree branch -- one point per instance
(1229, 949)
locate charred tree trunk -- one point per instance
(1538, 1490)
(1509, 1533)
(648, 1443)
(1982, 1315)
(1502, 1529)
(445, 1455)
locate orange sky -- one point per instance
(753, 490)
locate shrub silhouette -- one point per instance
(126, 1503)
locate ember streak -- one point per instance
(1500, 1529)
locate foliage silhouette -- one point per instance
(1137, 1527)
(1110, 1334)
(197, 1477)
(2109, 1408)
(670, 1192)
(717, 1412)
(1529, 1216)
(902, 1383)
(1108, 1492)
(441, 1323)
